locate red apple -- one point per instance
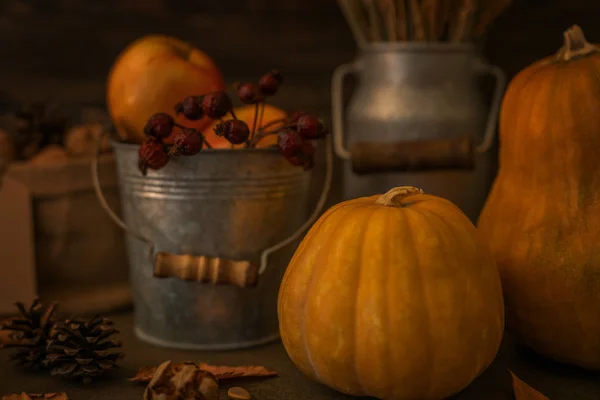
(153, 74)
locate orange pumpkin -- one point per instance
(392, 296)
(541, 217)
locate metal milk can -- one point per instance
(409, 93)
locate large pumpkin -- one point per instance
(392, 296)
(542, 217)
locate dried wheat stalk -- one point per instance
(463, 21)
(373, 20)
(417, 20)
(401, 26)
(352, 17)
(388, 11)
(490, 10)
(429, 11)
(446, 7)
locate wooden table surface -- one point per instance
(558, 382)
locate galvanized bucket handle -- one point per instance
(211, 269)
(417, 155)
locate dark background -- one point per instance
(61, 50)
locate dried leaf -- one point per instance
(145, 374)
(33, 396)
(523, 391)
(244, 371)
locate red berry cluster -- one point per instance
(294, 133)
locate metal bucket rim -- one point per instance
(132, 146)
(416, 47)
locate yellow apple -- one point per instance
(153, 74)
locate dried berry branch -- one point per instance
(294, 133)
(268, 85)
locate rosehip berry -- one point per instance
(188, 142)
(309, 163)
(248, 93)
(290, 143)
(308, 155)
(151, 155)
(301, 160)
(293, 117)
(191, 108)
(235, 131)
(159, 125)
(269, 82)
(215, 105)
(308, 148)
(309, 127)
(296, 161)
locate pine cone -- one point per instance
(35, 126)
(81, 349)
(29, 334)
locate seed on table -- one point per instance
(238, 393)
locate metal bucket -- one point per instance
(219, 205)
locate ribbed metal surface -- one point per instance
(207, 188)
(220, 203)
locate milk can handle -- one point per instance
(337, 105)
(337, 89)
(490, 129)
(266, 253)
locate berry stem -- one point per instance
(179, 126)
(206, 142)
(274, 122)
(255, 121)
(262, 134)
(262, 113)
(233, 114)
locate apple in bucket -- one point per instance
(257, 125)
(150, 76)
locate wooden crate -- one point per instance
(56, 240)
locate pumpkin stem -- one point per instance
(575, 45)
(394, 197)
